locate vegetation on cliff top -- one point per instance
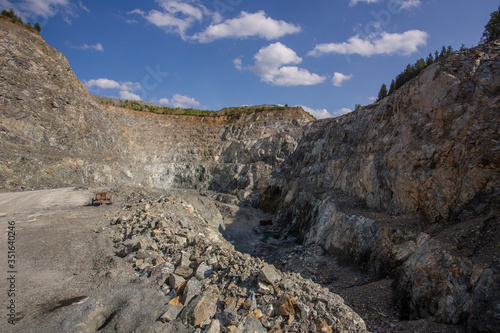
(160, 109)
(11, 16)
(491, 33)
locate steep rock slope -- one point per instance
(431, 147)
(429, 155)
(225, 154)
(52, 132)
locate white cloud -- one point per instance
(43, 8)
(404, 4)
(355, 2)
(85, 46)
(317, 113)
(180, 101)
(177, 16)
(82, 6)
(408, 4)
(238, 64)
(341, 111)
(130, 96)
(339, 78)
(248, 25)
(269, 67)
(111, 84)
(169, 22)
(384, 43)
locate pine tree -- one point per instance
(37, 27)
(429, 60)
(492, 28)
(382, 93)
(392, 87)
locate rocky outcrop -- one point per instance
(54, 133)
(427, 154)
(431, 147)
(223, 154)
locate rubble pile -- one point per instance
(212, 287)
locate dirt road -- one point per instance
(63, 262)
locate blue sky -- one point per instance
(324, 55)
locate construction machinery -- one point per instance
(101, 198)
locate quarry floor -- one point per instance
(64, 256)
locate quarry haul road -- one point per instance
(62, 256)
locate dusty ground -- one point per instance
(63, 256)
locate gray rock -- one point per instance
(250, 324)
(184, 271)
(228, 316)
(175, 281)
(201, 309)
(304, 310)
(203, 271)
(269, 274)
(192, 289)
(171, 313)
(185, 258)
(214, 327)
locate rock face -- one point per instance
(431, 147)
(54, 133)
(428, 155)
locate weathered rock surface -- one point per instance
(431, 147)
(428, 154)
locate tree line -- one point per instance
(491, 33)
(411, 71)
(11, 16)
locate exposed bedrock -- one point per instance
(428, 157)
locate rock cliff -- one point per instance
(427, 155)
(54, 133)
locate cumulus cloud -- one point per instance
(238, 64)
(317, 113)
(341, 111)
(269, 66)
(384, 43)
(43, 8)
(180, 101)
(247, 25)
(129, 95)
(339, 78)
(96, 47)
(404, 4)
(177, 16)
(111, 84)
(125, 88)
